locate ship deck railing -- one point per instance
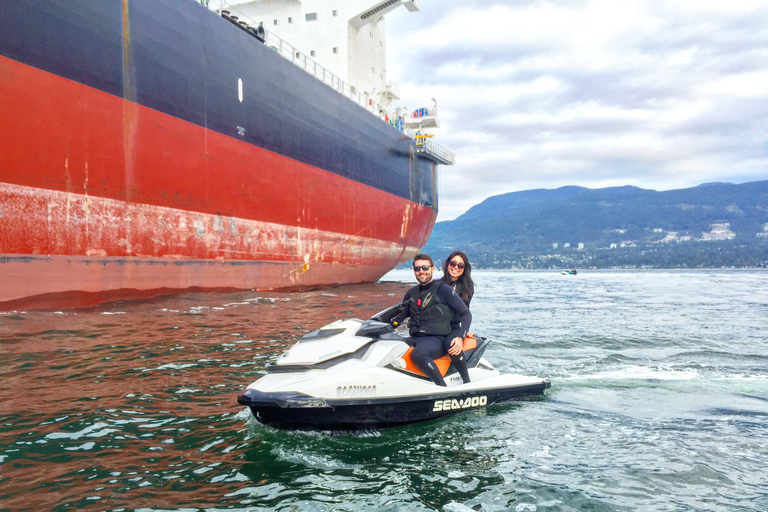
(427, 148)
(393, 89)
(434, 151)
(313, 68)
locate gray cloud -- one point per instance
(542, 94)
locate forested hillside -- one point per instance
(712, 225)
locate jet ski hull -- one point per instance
(356, 375)
(298, 411)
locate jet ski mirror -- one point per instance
(388, 314)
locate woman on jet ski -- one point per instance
(457, 273)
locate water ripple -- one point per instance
(658, 402)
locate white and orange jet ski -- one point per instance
(358, 375)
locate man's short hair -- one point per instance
(423, 256)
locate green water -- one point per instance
(659, 401)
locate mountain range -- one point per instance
(711, 225)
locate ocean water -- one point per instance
(659, 401)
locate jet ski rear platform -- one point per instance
(352, 375)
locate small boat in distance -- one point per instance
(569, 272)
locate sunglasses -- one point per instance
(454, 264)
(423, 268)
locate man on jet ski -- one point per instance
(431, 306)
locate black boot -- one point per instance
(430, 370)
(460, 363)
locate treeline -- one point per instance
(716, 254)
(617, 227)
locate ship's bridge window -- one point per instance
(335, 49)
(335, 12)
(311, 16)
(275, 22)
(311, 53)
(290, 20)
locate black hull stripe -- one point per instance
(372, 413)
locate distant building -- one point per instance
(671, 237)
(566, 245)
(719, 231)
(658, 230)
(554, 246)
(765, 231)
(613, 246)
(581, 245)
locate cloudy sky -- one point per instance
(597, 93)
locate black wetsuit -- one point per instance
(429, 347)
(453, 285)
(459, 361)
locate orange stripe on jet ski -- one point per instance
(442, 364)
(470, 342)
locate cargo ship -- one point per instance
(156, 146)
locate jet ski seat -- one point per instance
(474, 348)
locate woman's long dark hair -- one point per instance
(465, 286)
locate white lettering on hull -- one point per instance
(355, 391)
(452, 404)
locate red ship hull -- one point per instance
(102, 198)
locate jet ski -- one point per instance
(357, 375)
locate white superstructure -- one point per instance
(347, 37)
(342, 43)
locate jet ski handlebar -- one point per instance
(388, 314)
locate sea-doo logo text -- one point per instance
(355, 391)
(451, 404)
